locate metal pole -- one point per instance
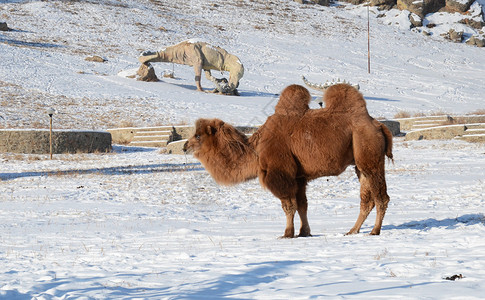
(368, 40)
(50, 134)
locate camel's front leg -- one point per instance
(305, 226)
(289, 207)
(303, 208)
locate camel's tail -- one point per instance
(388, 137)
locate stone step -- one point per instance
(440, 117)
(475, 126)
(409, 123)
(151, 137)
(158, 128)
(430, 121)
(152, 133)
(474, 138)
(140, 138)
(426, 125)
(154, 144)
(475, 131)
(427, 122)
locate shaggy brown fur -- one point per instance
(294, 100)
(216, 143)
(296, 145)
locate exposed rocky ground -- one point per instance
(469, 16)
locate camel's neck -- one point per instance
(231, 163)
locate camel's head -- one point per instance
(223, 150)
(204, 137)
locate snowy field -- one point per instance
(139, 224)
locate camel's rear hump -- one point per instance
(344, 97)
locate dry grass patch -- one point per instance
(22, 157)
(126, 124)
(402, 114)
(437, 113)
(478, 112)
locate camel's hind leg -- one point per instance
(303, 208)
(370, 147)
(366, 203)
(381, 199)
(373, 192)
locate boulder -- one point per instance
(421, 8)
(383, 4)
(460, 6)
(4, 27)
(415, 20)
(146, 72)
(320, 2)
(454, 36)
(476, 41)
(476, 24)
(95, 58)
(355, 2)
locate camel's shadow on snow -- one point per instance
(449, 223)
(221, 287)
(116, 170)
(20, 43)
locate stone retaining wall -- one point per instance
(122, 135)
(436, 133)
(394, 126)
(125, 135)
(408, 123)
(37, 141)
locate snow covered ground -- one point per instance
(136, 223)
(139, 224)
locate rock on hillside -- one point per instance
(4, 27)
(470, 20)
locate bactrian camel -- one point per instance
(298, 144)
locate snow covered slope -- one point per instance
(43, 61)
